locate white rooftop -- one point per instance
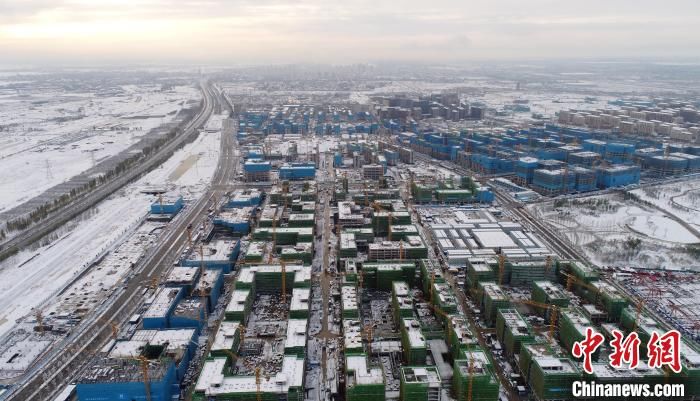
(415, 336)
(212, 382)
(356, 365)
(348, 297)
(181, 274)
(238, 300)
(163, 301)
(493, 238)
(352, 333)
(300, 299)
(226, 336)
(296, 333)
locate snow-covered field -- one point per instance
(613, 231)
(661, 228)
(51, 136)
(32, 278)
(681, 199)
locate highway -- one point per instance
(68, 359)
(55, 220)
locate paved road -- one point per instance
(72, 210)
(65, 365)
(325, 276)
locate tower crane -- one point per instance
(501, 267)
(368, 333)
(144, 370)
(571, 280)
(565, 178)
(284, 282)
(274, 236)
(640, 307)
(258, 393)
(115, 329)
(391, 219)
(203, 293)
(144, 365)
(554, 312)
(364, 185)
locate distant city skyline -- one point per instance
(343, 32)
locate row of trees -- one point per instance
(44, 210)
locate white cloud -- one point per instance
(250, 31)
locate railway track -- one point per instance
(55, 220)
(64, 365)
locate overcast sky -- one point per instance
(342, 32)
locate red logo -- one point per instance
(586, 347)
(626, 351)
(665, 350)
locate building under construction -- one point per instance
(549, 374)
(149, 365)
(215, 384)
(420, 383)
(413, 342)
(474, 378)
(362, 381)
(512, 330)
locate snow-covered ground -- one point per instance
(621, 232)
(662, 228)
(32, 278)
(681, 199)
(51, 136)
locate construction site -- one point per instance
(346, 254)
(384, 300)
